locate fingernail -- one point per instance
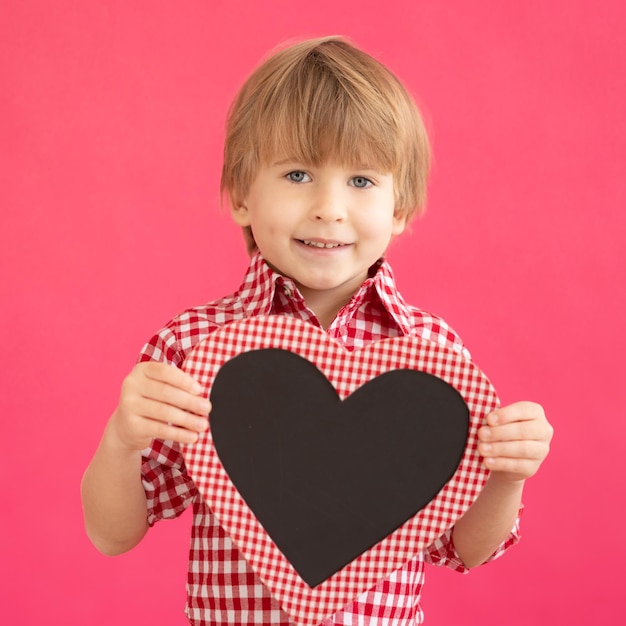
(197, 388)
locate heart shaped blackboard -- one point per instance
(294, 435)
(326, 478)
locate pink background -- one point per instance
(111, 118)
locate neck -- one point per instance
(325, 304)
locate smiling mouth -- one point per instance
(320, 244)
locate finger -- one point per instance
(531, 450)
(516, 412)
(517, 468)
(169, 432)
(167, 384)
(168, 395)
(514, 431)
(160, 412)
(522, 420)
(171, 375)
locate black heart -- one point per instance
(328, 479)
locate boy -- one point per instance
(326, 160)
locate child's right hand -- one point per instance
(158, 401)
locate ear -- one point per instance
(399, 223)
(240, 214)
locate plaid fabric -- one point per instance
(222, 588)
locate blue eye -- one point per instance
(360, 182)
(298, 176)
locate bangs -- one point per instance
(318, 119)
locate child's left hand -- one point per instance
(515, 440)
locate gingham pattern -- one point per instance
(221, 587)
(347, 372)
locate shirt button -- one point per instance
(287, 291)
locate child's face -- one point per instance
(323, 226)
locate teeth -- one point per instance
(319, 244)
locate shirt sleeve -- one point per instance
(443, 553)
(163, 347)
(169, 488)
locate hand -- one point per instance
(515, 441)
(158, 401)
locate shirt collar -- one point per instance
(264, 291)
(383, 282)
(257, 290)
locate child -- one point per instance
(326, 160)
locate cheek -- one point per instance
(378, 223)
(268, 230)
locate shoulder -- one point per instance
(434, 328)
(181, 334)
(412, 320)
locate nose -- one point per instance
(329, 205)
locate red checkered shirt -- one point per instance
(221, 587)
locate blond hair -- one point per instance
(325, 100)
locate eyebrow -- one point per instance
(358, 166)
(286, 161)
